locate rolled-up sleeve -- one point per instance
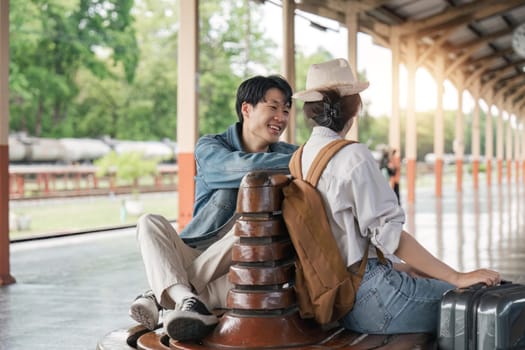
(379, 216)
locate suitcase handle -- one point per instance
(483, 285)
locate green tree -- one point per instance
(144, 109)
(51, 41)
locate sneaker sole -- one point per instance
(142, 316)
(186, 326)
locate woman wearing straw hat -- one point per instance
(394, 297)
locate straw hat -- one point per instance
(328, 75)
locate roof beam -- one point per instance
(517, 93)
(491, 77)
(481, 40)
(475, 10)
(321, 10)
(505, 67)
(506, 81)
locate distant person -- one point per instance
(394, 173)
(188, 282)
(392, 297)
(383, 162)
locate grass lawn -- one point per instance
(69, 215)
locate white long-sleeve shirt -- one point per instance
(359, 202)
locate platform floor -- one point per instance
(72, 291)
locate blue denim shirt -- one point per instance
(221, 165)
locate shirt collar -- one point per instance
(325, 132)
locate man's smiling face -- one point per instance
(265, 122)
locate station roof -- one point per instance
(474, 36)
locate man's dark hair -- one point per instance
(252, 91)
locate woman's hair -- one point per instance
(253, 91)
(334, 111)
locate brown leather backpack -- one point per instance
(325, 288)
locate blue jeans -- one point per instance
(389, 301)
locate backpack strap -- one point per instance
(296, 169)
(314, 173)
(322, 158)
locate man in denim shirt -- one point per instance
(185, 279)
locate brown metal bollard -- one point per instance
(262, 308)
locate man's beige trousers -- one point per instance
(169, 261)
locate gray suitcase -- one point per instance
(483, 318)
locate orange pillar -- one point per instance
(186, 188)
(411, 132)
(411, 180)
(394, 136)
(475, 174)
(489, 172)
(509, 171)
(517, 151)
(459, 175)
(439, 135)
(489, 142)
(476, 133)
(5, 276)
(459, 143)
(500, 171)
(523, 167)
(517, 165)
(438, 171)
(508, 148)
(499, 143)
(187, 113)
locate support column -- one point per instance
(517, 149)
(475, 137)
(439, 135)
(522, 138)
(411, 135)
(508, 148)
(489, 146)
(499, 143)
(187, 113)
(459, 142)
(394, 135)
(351, 26)
(5, 276)
(289, 62)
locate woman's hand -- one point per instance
(466, 279)
(420, 259)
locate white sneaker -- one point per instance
(145, 310)
(190, 321)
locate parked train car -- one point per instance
(25, 149)
(149, 149)
(17, 150)
(166, 150)
(83, 150)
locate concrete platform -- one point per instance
(72, 291)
